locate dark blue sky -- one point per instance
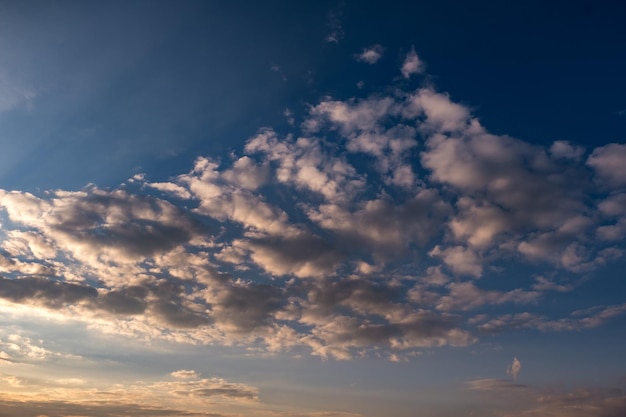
(178, 80)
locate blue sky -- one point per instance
(350, 209)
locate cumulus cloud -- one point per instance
(370, 55)
(412, 64)
(564, 149)
(609, 164)
(103, 224)
(460, 260)
(387, 228)
(363, 231)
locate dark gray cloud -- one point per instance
(247, 307)
(104, 223)
(124, 301)
(50, 293)
(302, 254)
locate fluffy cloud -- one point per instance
(363, 231)
(609, 164)
(370, 55)
(99, 224)
(383, 226)
(412, 64)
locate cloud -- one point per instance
(488, 384)
(15, 93)
(103, 224)
(412, 64)
(333, 24)
(50, 293)
(514, 369)
(359, 233)
(171, 188)
(187, 397)
(576, 321)
(516, 400)
(545, 284)
(305, 164)
(609, 164)
(564, 149)
(388, 229)
(370, 55)
(466, 296)
(184, 374)
(460, 260)
(302, 254)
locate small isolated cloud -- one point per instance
(371, 55)
(412, 64)
(514, 369)
(278, 69)
(333, 23)
(289, 116)
(184, 374)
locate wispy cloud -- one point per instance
(333, 23)
(14, 93)
(514, 369)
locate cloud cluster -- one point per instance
(185, 394)
(301, 241)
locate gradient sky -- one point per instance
(312, 209)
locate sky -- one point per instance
(312, 209)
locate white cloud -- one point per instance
(306, 165)
(359, 235)
(171, 188)
(609, 162)
(370, 55)
(184, 374)
(460, 260)
(412, 64)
